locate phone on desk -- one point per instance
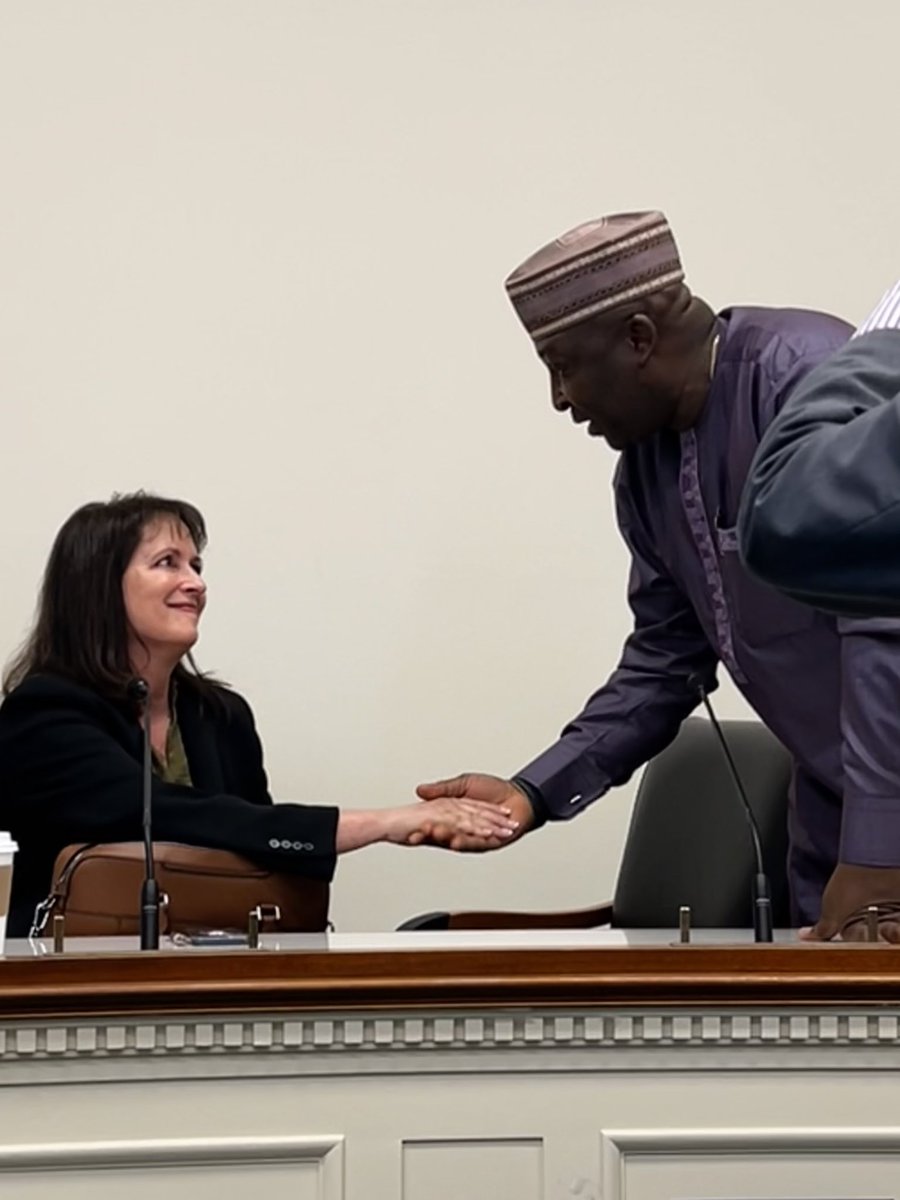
(211, 937)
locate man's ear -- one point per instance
(642, 336)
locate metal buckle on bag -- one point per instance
(262, 912)
(42, 913)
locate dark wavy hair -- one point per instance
(81, 630)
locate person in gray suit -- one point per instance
(820, 514)
(820, 520)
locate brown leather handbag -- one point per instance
(97, 889)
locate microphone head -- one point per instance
(138, 690)
(695, 683)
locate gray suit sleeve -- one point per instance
(820, 513)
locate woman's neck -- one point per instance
(157, 672)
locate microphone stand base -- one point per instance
(762, 920)
(150, 915)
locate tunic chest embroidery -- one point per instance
(695, 513)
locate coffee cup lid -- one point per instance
(6, 842)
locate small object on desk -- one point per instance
(684, 924)
(872, 923)
(257, 915)
(59, 933)
(210, 937)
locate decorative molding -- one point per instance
(461, 977)
(327, 1152)
(479, 1167)
(617, 1145)
(315, 1034)
(797, 1139)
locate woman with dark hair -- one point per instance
(122, 597)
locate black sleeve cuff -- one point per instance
(534, 798)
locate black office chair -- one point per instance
(688, 841)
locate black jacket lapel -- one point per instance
(199, 738)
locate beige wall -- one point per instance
(252, 253)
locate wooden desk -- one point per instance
(535, 1064)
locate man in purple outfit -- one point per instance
(685, 395)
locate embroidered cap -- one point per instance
(592, 268)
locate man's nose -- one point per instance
(558, 397)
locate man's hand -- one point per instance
(488, 788)
(848, 893)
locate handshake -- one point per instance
(468, 813)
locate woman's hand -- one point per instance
(474, 786)
(457, 820)
(458, 824)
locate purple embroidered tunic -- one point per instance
(828, 688)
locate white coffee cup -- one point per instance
(8, 850)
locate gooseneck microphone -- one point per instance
(762, 893)
(139, 692)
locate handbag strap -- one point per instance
(57, 897)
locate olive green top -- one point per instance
(175, 769)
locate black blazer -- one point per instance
(70, 771)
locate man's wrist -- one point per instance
(534, 798)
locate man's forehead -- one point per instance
(568, 341)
